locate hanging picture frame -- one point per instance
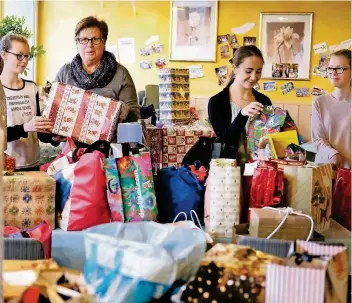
(193, 30)
(285, 40)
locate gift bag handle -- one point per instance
(180, 213)
(192, 212)
(288, 211)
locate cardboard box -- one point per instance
(264, 221)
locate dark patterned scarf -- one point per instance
(99, 78)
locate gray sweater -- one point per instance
(120, 88)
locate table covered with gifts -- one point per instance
(127, 219)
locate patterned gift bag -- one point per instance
(137, 187)
(29, 198)
(315, 273)
(309, 189)
(222, 198)
(270, 120)
(114, 193)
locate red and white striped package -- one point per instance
(319, 284)
(83, 115)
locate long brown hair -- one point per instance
(242, 53)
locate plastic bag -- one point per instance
(130, 263)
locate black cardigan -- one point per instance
(219, 111)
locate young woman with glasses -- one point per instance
(24, 123)
(97, 70)
(331, 115)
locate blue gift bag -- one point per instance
(179, 190)
(135, 262)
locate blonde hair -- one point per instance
(345, 53)
(6, 44)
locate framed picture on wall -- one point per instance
(193, 30)
(285, 40)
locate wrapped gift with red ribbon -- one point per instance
(267, 187)
(9, 163)
(341, 201)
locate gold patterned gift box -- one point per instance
(29, 198)
(174, 95)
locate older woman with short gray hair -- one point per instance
(96, 69)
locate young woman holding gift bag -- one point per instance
(331, 114)
(24, 123)
(229, 111)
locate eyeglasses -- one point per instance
(85, 41)
(20, 57)
(338, 70)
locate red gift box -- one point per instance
(9, 163)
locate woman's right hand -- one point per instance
(336, 160)
(38, 124)
(252, 109)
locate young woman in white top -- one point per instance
(24, 123)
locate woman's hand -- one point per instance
(38, 124)
(336, 160)
(252, 109)
(59, 139)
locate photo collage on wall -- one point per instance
(228, 42)
(148, 51)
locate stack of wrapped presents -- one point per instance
(150, 228)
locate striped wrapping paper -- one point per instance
(222, 198)
(83, 115)
(314, 285)
(309, 189)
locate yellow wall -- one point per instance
(57, 20)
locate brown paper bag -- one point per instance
(309, 189)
